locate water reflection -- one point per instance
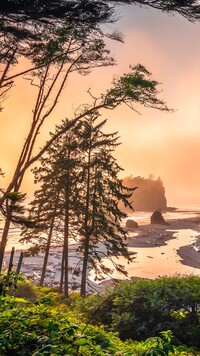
(151, 262)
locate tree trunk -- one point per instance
(11, 260)
(85, 264)
(62, 273)
(66, 253)
(18, 271)
(66, 234)
(46, 256)
(4, 241)
(86, 227)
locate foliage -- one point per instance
(46, 327)
(26, 290)
(142, 308)
(89, 11)
(38, 330)
(187, 8)
(138, 310)
(8, 282)
(160, 345)
(78, 198)
(15, 207)
(28, 329)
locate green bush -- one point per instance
(143, 308)
(45, 328)
(8, 282)
(26, 290)
(37, 329)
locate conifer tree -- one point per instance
(101, 234)
(80, 189)
(54, 201)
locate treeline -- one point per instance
(149, 195)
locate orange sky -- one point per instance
(164, 144)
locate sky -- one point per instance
(166, 145)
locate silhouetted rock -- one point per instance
(149, 196)
(157, 218)
(131, 224)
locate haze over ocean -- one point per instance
(165, 145)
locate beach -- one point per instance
(158, 235)
(160, 250)
(156, 249)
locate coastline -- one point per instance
(158, 235)
(150, 239)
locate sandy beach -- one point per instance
(149, 236)
(164, 249)
(150, 244)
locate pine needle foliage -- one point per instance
(80, 192)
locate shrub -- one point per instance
(142, 308)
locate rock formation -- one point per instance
(131, 224)
(157, 218)
(149, 196)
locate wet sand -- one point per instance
(146, 236)
(158, 235)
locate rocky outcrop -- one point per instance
(149, 195)
(131, 224)
(157, 218)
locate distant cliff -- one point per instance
(150, 194)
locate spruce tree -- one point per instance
(53, 202)
(80, 191)
(100, 218)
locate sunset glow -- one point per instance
(158, 143)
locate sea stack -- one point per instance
(131, 224)
(157, 218)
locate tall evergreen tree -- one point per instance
(100, 218)
(80, 189)
(54, 201)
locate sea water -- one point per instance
(152, 262)
(143, 218)
(149, 262)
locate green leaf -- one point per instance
(82, 341)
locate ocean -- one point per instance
(149, 262)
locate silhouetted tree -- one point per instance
(80, 189)
(133, 88)
(99, 216)
(24, 25)
(30, 30)
(53, 206)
